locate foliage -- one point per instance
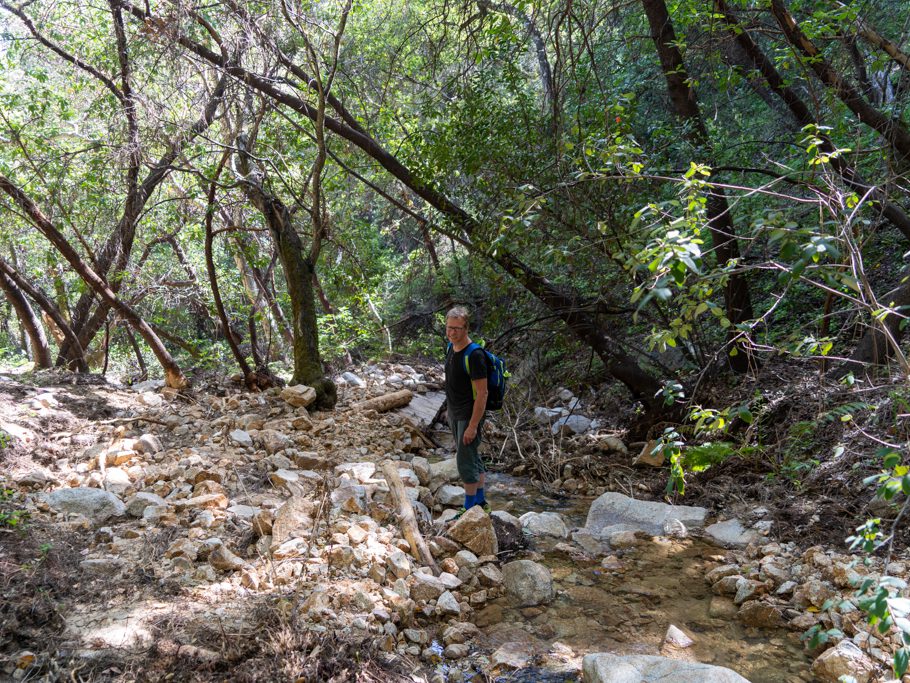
(11, 516)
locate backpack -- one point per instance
(496, 375)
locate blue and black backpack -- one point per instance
(496, 375)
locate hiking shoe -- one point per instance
(485, 506)
(459, 512)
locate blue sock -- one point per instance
(480, 498)
(469, 501)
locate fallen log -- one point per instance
(386, 402)
(406, 517)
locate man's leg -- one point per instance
(470, 465)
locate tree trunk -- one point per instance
(737, 299)
(298, 273)
(28, 321)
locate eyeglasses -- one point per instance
(454, 329)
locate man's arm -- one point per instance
(480, 405)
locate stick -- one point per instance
(406, 516)
(381, 404)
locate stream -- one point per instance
(626, 606)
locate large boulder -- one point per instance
(442, 472)
(608, 668)
(96, 505)
(474, 530)
(527, 583)
(614, 512)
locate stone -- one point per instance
(527, 583)
(224, 560)
(400, 564)
(285, 478)
(732, 533)
(299, 395)
(613, 512)
(512, 655)
(426, 587)
(544, 524)
(456, 651)
(36, 479)
(722, 608)
(474, 530)
(292, 519)
(675, 637)
(210, 501)
(760, 614)
(650, 455)
(241, 438)
(844, 659)
(421, 467)
(353, 380)
(443, 472)
(509, 534)
(94, 504)
(571, 424)
(262, 523)
(447, 605)
(546, 416)
(609, 668)
(449, 495)
(135, 505)
(148, 444)
(273, 441)
(746, 589)
(490, 576)
(116, 480)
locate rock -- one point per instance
(36, 479)
(116, 480)
(844, 659)
(474, 530)
(281, 478)
(273, 441)
(722, 572)
(457, 651)
(733, 533)
(527, 583)
(262, 523)
(299, 395)
(211, 501)
(675, 637)
(361, 472)
(543, 524)
(447, 605)
(135, 505)
(353, 380)
(224, 560)
(426, 587)
(421, 467)
(609, 668)
(509, 534)
(571, 424)
(760, 614)
(400, 564)
(449, 495)
(96, 505)
(241, 438)
(650, 455)
(512, 655)
(722, 608)
(148, 444)
(148, 385)
(546, 416)
(442, 472)
(489, 576)
(746, 588)
(292, 518)
(613, 512)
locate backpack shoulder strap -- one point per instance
(468, 350)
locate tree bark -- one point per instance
(737, 299)
(28, 321)
(172, 373)
(386, 402)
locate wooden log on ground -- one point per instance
(386, 402)
(406, 517)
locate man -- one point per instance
(466, 395)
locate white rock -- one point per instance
(844, 659)
(613, 512)
(609, 668)
(241, 438)
(528, 583)
(544, 524)
(97, 505)
(299, 395)
(733, 533)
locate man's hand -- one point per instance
(470, 433)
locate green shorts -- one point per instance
(470, 464)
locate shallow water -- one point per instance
(627, 609)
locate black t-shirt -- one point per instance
(459, 391)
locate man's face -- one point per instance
(456, 330)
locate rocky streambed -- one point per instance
(241, 535)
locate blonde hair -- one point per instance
(460, 312)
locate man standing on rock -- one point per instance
(466, 396)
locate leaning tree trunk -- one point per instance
(173, 375)
(737, 300)
(41, 352)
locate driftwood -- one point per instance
(386, 402)
(406, 517)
